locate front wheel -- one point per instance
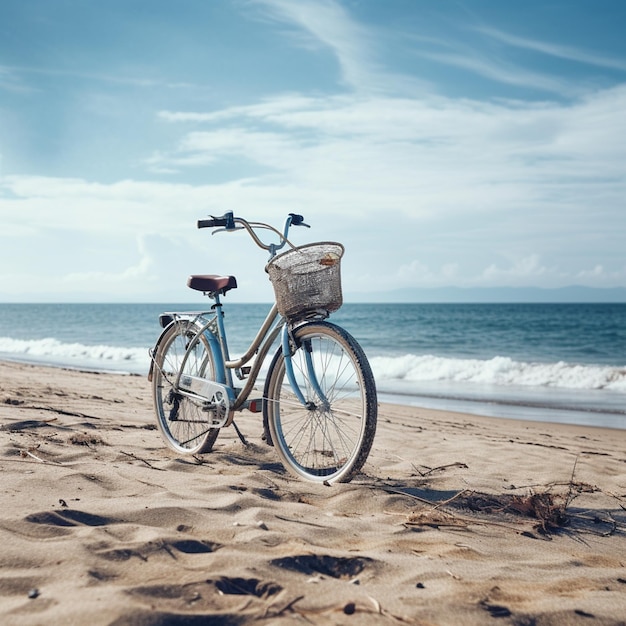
(328, 438)
(183, 422)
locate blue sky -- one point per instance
(471, 143)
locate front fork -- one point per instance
(309, 375)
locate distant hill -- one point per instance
(573, 293)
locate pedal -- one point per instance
(243, 372)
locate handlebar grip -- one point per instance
(212, 223)
(227, 221)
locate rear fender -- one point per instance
(213, 344)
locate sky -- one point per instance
(465, 143)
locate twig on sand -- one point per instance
(299, 521)
(24, 453)
(430, 470)
(571, 484)
(284, 609)
(619, 499)
(349, 608)
(390, 489)
(137, 458)
(452, 499)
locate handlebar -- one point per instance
(228, 222)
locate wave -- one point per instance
(407, 369)
(501, 371)
(50, 350)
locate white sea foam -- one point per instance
(498, 371)
(50, 350)
(407, 369)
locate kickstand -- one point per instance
(240, 435)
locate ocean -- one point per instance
(544, 362)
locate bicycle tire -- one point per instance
(322, 442)
(182, 423)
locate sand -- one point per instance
(456, 519)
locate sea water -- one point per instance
(546, 362)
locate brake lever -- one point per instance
(227, 230)
(297, 220)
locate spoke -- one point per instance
(188, 441)
(317, 426)
(329, 437)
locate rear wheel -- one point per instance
(330, 436)
(183, 423)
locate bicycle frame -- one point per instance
(214, 332)
(216, 338)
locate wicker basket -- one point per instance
(307, 280)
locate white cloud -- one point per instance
(595, 272)
(267, 148)
(418, 274)
(529, 267)
(473, 183)
(327, 24)
(424, 157)
(143, 270)
(503, 73)
(10, 81)
(424, 190)
(548, 48)
(13, 78)
(599, 275)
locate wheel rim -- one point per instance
(183, 423)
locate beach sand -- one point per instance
(456, 519)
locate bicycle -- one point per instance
(319, 400)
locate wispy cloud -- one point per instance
(499, 71)
(502, 64)
(555, 50)
(328, 25)
(12, 76)
(10, 81)
(508, 167)
(426, 132)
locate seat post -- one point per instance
(221, 331)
